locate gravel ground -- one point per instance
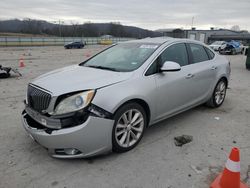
(155, 162)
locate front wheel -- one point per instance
(130, 122)
(219, 94)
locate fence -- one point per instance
(55, 41)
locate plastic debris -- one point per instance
(217, 118)
(5, 71)
(196, 169)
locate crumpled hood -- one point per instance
(77, 78)
(216, 46)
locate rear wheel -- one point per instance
(233, 52)
(130, 122)
(221, 51)
(219, 94)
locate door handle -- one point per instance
(213, 68)
(189, 76)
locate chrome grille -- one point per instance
(37, 99)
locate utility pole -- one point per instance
(192, 22)
(60, 22)
(60, 31)
(60, 27)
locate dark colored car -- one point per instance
(79, 44)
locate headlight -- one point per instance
(74, 103)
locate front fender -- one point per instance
(112, 97)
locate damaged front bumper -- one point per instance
(92, 137)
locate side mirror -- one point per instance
(170, 66)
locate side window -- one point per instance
(153, 68)
(176, 53)
(198, 53)
(210, 53)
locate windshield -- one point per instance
(122, 57)
(218, 42)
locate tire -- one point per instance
(221, 51)
(125, 136)
(233, 52)
(219, 94)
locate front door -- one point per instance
(174, 91)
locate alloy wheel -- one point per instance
(129, 128)
(220, 93)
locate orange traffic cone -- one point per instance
(230, 177)
(21, 62)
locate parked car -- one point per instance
(217, 45)
(106, 102)
(71, 45)
(232, 47)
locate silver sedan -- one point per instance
(106, 102)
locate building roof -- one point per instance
(205, 30)
(169, 30)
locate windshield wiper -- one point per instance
(101, 67)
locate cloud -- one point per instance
(142, 13)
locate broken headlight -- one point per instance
(74, 103)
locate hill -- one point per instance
(41, 27)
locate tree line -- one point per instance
(74, 29)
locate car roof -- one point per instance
(162, 40)
(155, 40)
(74, 42)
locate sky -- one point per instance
(154, 14)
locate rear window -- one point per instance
(210, 53)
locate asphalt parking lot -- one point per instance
(155, 162)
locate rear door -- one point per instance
(203, 70)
